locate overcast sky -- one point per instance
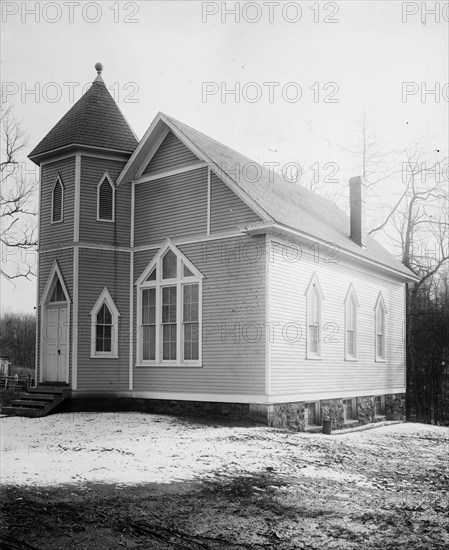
(302, 79)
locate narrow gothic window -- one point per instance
(380, 328)
(314, 298)
(104, 329)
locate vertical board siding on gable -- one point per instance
(228, 211)
(103, 232)
(174, 206)
(233, 322)
(290, 372)
(60, 233)
(65, 262)
(97, 269)
(171, 154)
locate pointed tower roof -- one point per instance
(94, 121)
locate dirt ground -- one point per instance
(130, 480)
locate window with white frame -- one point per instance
(379, 405)
(104, 327)
(57, 201)
(314, 297)
(105, 199)
(350, 409)
(380, 311)
(169, 310)
(351, 311)
(312, 414)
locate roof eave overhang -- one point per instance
(39, 157)
(283, 230)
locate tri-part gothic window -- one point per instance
(169, 310)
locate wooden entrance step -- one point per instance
(38, 401)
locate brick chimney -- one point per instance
(357, 211)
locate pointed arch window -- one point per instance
(380, 314)
(57, 201)
(351, 321)
(314, 296)
(169, 310)
(105, 199)
(104, 327)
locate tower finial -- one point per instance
(99, 67)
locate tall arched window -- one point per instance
(169, 310)
(57, 201)
(104, 327)
(105, 199)
(351, 314)
(314, 298)
(380, 312)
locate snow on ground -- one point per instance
(128, 448)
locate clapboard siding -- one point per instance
(290, 371)
(174, 206)
(103, 232)
(65, 262)
(227, 210)
(233, 317)
(60, 233)
(171, 154)
(99, 269)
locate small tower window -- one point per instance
(104, 327)
(105, 199)
(57, 201)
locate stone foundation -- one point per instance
(199, 409)
(365, 410)
(277, 415)
(395, 406)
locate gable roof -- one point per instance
(94, 121)
(273, 198)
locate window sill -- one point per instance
(111, 356)
(56, 222)
(108, 221)
(169, 366)
(380, 360)
(351, 359)
(314, 358)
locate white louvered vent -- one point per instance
(57, 205)
(106, 201)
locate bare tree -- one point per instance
(18, 338)
(416, 224)
(18, 227)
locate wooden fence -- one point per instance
(16, 383)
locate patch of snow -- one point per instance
(131, 448)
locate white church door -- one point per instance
(55, 337)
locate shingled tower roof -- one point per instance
(94, 121)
